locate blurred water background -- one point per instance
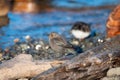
(64, 13)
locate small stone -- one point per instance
(25, 46)
(91, 43)
(38, 47)
(100, 41)
(16, 40)
(47, 47)
(7, 57)
(108, 39)
(114, 71)
(41, 42)
(75, 42)
(28, 37)
(110, 55)
(83, 46)
(111, 78)
(7, 50)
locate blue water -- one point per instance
(40, 25)
(83, 3)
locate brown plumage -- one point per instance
(59, 44)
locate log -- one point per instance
(90, 65)
(23, 66)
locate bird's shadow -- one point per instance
(78, 49)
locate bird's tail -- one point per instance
(70, 51)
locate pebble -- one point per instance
(41, 49)
(24, 47)
(111, 78)
(113, 74)
(28, 37)
(83, 46)
(75, 42)
(108, 39)
(16, 40)
(38, 47)
(114, 71)
(100, 40)
(41, 42)
(47, 47)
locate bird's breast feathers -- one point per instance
(80, 34)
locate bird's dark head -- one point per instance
(80, 26)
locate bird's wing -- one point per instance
(60, 41)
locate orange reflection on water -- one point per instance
(31, 6)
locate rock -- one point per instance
(22, 66)
(111, 78)
(114, 71)
(113, 23)
(113, 74)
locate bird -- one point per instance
(59, 44)
(80, 30)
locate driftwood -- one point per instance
(23, 66)
(90, 65)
